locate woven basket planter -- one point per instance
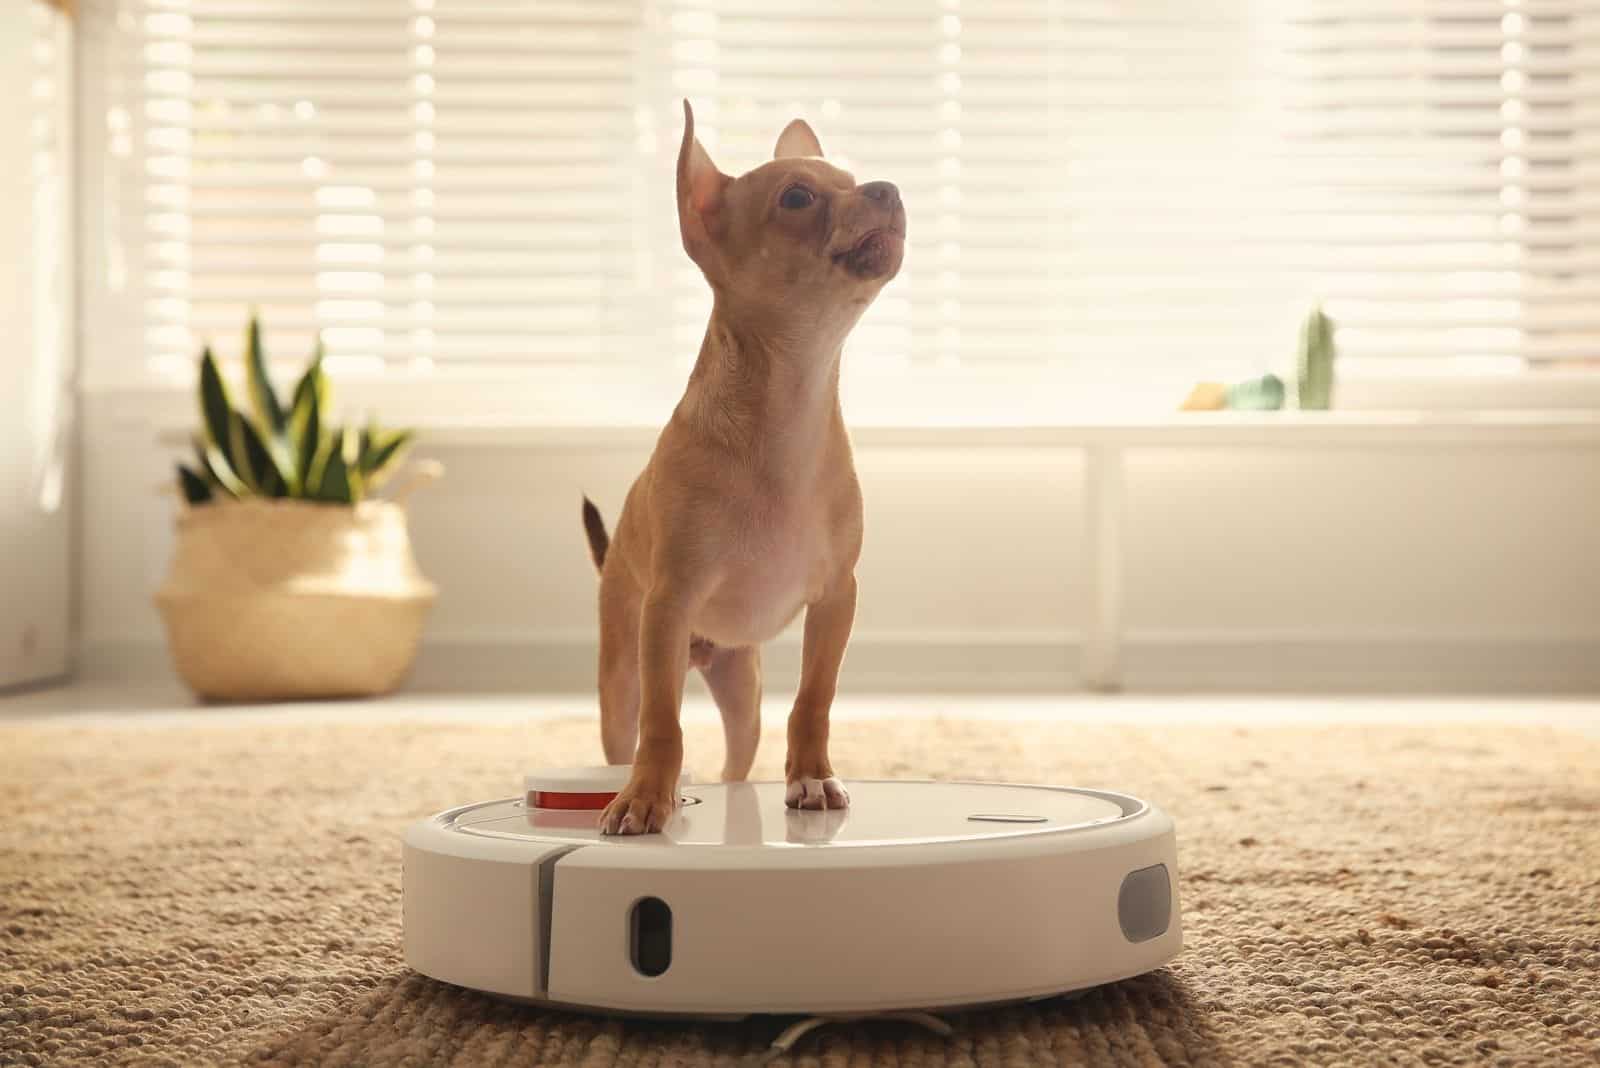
(283, 599)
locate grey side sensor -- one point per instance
(1144, 904)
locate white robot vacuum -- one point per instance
(919, 896)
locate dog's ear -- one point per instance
(700, 189)
(797, 139)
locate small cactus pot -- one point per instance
(276, 599)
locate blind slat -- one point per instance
(1159, 185)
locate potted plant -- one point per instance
(291, 578)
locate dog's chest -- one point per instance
(767, 576)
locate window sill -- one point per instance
(621, 407)
(1221, 429)
(1197, 430)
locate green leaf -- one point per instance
(195, 489)
(284, 462)
(269, 414)
(319, 463)
(303, 389)
(323, 386)
(215, 404)
(315, 378)
(352, 463)
(305, 433)
(216, 468)
(238, 454)
(336, 485)
(337, 479)
(255, 461)
(381, 453)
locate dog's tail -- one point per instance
(595, 528)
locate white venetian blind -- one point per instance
(1159, 189)
(1119, 190)
(1119, 207)
(1446, 157)
(420, 180)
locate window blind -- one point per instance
(1120, 190)
(419, 181)
(1446, 163)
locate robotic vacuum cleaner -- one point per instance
(920, 895)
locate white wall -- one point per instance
(36, 344)
(1456, 568)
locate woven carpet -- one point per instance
(231, 893)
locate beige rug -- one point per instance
(179, 895)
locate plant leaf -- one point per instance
(269, 413)
(257, 464)
(195, 489)
(215, 404)
(320, 380)
(321, 457)
(305, 433)
(314, 379)
(238, 454)
(339, 480)
(383, 450)
(216, 468)
(302, 389)
(284, 462)
(352, 463)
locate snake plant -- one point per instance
(282, 450)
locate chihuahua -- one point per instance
(749, 508)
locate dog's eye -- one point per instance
(796, 197)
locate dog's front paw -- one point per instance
(828, 793)
(640, 808)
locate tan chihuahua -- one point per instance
(749, 507)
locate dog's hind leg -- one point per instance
(734, 678)
(620, 602)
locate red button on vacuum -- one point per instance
(569, 801)
(577, 789)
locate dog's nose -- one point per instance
(884, 193)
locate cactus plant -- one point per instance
(1316, 361)
(278, 451)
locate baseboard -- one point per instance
(1023, 665)
(1362, 665)
(567, 665)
